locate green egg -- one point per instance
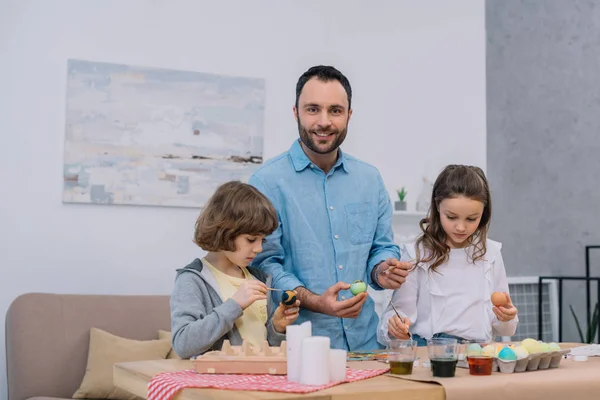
(474, 349)
(358, 287)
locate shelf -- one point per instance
(414, 214)
(405, 224)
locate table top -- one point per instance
(135, 376)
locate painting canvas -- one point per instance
(160, 137)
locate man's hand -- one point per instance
(391, 273)
(327, 303)
(349, 308)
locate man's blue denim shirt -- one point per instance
(332, 227)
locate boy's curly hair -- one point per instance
(234, 209)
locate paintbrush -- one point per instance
(398, 314)
(275, 290)
(412, 260)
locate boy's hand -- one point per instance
(284, 316)
(249, 292)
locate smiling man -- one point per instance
(334, 218)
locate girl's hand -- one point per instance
(285, 315)
(249, 292)
(398, 329)
(507, 312)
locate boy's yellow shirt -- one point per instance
(252, 323)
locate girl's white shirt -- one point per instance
(455, 300)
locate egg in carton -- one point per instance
(530, 355)
(476, 348)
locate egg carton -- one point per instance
(533, 362)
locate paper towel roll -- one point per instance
(315, 360)
(337, 365)
(294, 335)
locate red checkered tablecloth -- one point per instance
(164, 386)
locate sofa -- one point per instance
(48, 337)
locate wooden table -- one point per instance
(134, 377)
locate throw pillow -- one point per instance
(167, 335)
(107, 349)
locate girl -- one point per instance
(457, 269)
(219, 297)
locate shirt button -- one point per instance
(343, 297)
(331, 207)
(312, 166)
(336, 236)
(340, 266)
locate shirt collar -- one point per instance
(301, 160)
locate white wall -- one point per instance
(417, 70)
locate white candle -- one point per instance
(293, 337)
(315, 360)
(337, 365)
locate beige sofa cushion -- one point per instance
(167, 335)
(48, 336)
(107, 349)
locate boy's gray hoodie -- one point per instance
(200, 320)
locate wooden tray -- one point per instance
(243, 360)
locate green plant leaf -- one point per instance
(402, 193)
(577, 323)
(591, 330)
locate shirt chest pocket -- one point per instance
(361, 222)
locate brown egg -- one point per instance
(499, 299)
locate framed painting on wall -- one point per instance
(158, 137)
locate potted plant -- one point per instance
(591, 330)
(400, 205)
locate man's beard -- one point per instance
(309, 140)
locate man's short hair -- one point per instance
(324, 73)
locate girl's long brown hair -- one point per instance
(453, 181)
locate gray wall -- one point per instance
(543, 133)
